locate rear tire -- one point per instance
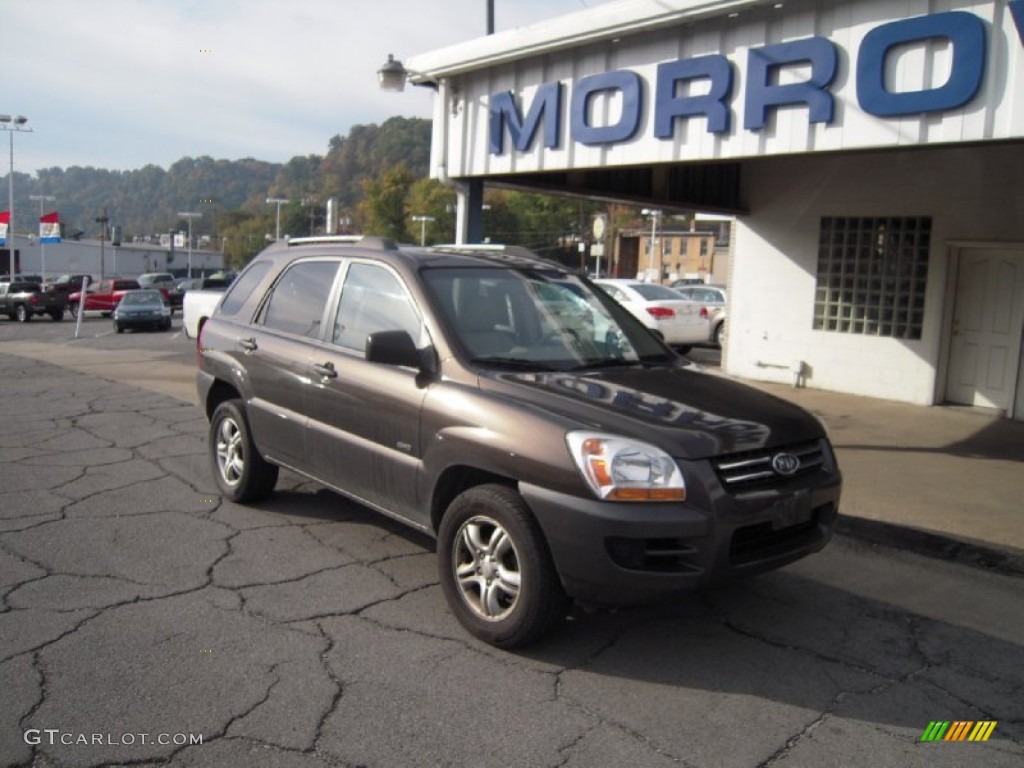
(57, 316)
(496, 570)
(21, 314)
(241, 473)
(719, 334)
(73, 309)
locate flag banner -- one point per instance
(49, 228)
(5, 222)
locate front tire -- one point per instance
(241, 473)
(118, 327)
(495, 568)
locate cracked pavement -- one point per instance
(308, 631)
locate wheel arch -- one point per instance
(457, 479)
(220, 392)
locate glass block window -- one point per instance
(872, 276)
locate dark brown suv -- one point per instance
(554, 446)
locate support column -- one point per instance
(469, 214)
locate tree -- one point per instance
(429, 197)
(245, 235)
(384, 204)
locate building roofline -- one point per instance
(601, 22)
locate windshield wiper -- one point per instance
(609, 362)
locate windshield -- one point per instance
(538, 319)
(142, 297)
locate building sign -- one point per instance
(896, 81)
(964, 32)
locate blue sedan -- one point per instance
(142, 309)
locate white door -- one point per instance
(988, 323)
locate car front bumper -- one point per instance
(617, 553)
(140, 320)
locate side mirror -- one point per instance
(393, 348)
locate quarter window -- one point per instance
(373, 300)
(872, 276)
(243, 288)
(298, 300)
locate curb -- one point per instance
(1008, 562)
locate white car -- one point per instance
(679, 322)
(714, 300)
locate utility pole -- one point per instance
(102, 220)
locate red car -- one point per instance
(104, 297)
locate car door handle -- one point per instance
(249, 345)
(326, 370)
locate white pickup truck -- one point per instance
(196, 308)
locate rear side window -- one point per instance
(655, 292)
(243, 288)
(126, 285)
(299, 298)
(615, 293)
(373, 300)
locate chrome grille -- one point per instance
(754, 468)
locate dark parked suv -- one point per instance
(554, 446)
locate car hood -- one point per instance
(684, 410)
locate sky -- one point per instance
(120, 84)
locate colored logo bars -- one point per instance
(959, 730)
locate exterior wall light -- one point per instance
(392, 76)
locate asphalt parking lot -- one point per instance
(139, 612)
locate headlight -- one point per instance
(165, 311)
(621, 469)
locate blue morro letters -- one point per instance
(963, 31)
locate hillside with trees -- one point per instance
(377, 174)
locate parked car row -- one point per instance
(22, 300)
(680, 322)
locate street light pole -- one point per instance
(190, 215)
(102, 220)
(655, 214)
(423, 227)
(42, 245)
(12, 125)
(280, 201)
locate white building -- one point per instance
(93, 257)
(871, 150)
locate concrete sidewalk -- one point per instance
(942, 480)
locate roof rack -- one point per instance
(499, 252)
(496, 248)
(366, 241)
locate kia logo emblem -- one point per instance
(785, 464)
